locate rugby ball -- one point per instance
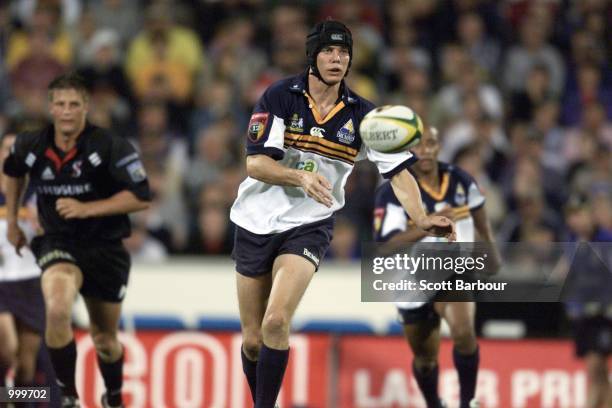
(391, 129)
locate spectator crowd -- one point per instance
(520, 90)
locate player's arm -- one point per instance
(124, 202)
(485, 234)
(14, 188)
(407, 192)
(268, 170)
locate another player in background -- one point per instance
(302, 144)
(590, 305)
(22, 310)
(449, 192)
(86, 181)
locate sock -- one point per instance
(270, 371)
(113, 379)
(250, 371)
(467, 369)
(64, 363)
(428, 383)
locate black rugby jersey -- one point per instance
(98, 167)
(458, 190)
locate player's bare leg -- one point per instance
(290, 278)
(599, 394)
(104, 326)
(60, 285)
(424, 340)
(27, 353)
(8, 345)
(460, 319)
(253, 295)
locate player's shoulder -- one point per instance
(284, 88)
(362, 105)
(456, 173)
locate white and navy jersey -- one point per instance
(458, 190)
(286, 126)
(12, 266)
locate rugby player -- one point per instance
(86, 181)
(302, 144)
(449, 192)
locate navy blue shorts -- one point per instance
(425, 313)
(593, 335)
(24, 300)
(255, 253)
(105, 265)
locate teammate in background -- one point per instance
(590, 305)
(86, 181)
(302, 144)
(449, 192)
(22, 311)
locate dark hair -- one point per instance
(69, 80)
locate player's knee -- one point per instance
(58, 314)
(276, 324)
(251, 347)
(106, 344)
(425, 362)
(464, 338)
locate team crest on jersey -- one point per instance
(257, 125)
(76, 168)
(460, 198)
(297, 123)
(346, 134)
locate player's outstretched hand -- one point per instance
(439, 226)
(16, 237)
(317, 187)
(70, 208)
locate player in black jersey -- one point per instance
(86, 182)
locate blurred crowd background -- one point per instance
(521, 92)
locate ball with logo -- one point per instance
(391, 129)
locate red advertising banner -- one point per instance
(375, 372)
(195, 369)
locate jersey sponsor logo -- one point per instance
(307, 165)
(311, 256)
(297, 123)
(137, 171)
(257, 125)
(76, 169)
(317, 132)
(30, 159)
(346, 134)
(65, 189)
(47, 174)
(95, 159)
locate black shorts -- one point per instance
(593, 334)
(255, 254)
(23, 299)
(105, 265)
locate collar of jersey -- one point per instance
(51, 137)
(300, 85)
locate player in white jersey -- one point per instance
(447, 191)
(21, 305)
(303, 141)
